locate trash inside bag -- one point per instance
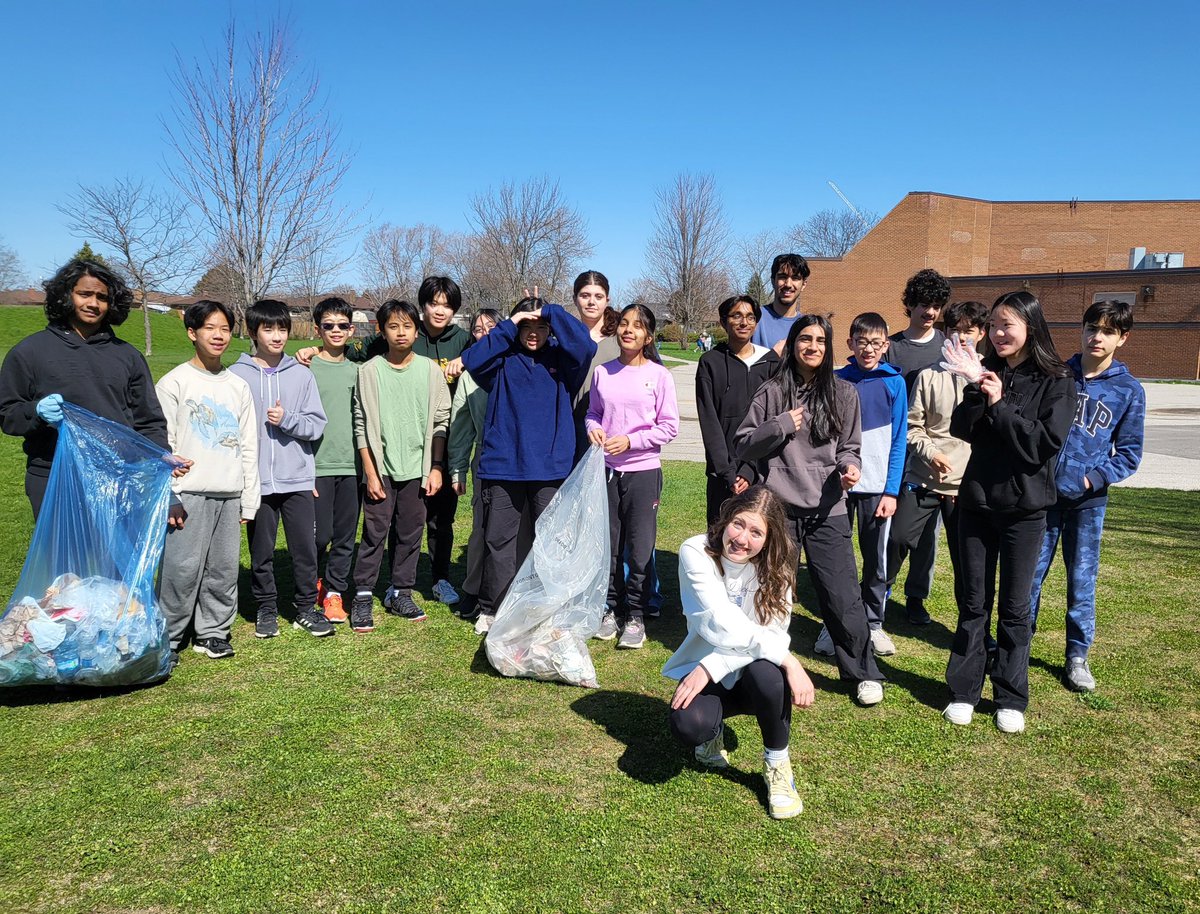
(557, 599)
(84, 611)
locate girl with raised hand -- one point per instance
(805, 429)
(632, 414)
(735, 584)
(532, 366)
(1016, 416)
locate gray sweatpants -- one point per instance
(200, 568)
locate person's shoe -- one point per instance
(267, 624)
(914, 608)
(633, 635)
(783, 801)
(869, 692)
(216, 648)
(483, 624)
(959, 713)
(467, 607)
(824, 645)
(712, 754)
(1009, 720)
(332, 606)
(172, 662)
(314, 623)
(444, 591)
(402, 605)
(1079, 675)
(881, 643)
(321, 592)
(361, 619)
(608, 627)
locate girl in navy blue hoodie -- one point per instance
(1016, 416)
(532, 367)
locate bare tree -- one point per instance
(149, 235)
(831, 233)
(314, 269)
(686, 254)
(396, 258)
(12, 274)
(259, 159)
(526, 236)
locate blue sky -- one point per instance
(437, 101)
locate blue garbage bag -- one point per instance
(84, 611)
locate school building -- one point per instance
(1068, 253)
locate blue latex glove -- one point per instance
(50, 409)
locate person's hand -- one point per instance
(275, 413)
(1087, 484)
(181, 466)
(961, 360)
(887, 507)
(801, 686)
(740, 485)
(850, 477)
(454, 368)
(522, 316)
(617, 444)
(596, 436)
(50, 410)
(433, 482)
(941, 464)
(689, 687)
(534, 294)
(176, 515)
(796, 415)
(460, 488)
(375, 490)
(992, 387)
(306, 355)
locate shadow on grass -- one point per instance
(27, 696)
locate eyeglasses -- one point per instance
(742, 319)
(869, 344)
(325, 326)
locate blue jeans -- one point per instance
(1079, 529)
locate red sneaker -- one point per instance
(332, 606)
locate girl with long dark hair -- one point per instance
(590, 297)
(804, 429)
(1016, 417)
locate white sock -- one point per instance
(364, 593)
(775, 756)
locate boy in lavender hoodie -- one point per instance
(288, 407)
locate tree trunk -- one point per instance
(146, 324)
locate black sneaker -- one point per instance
(404, 606)
(172, 662)
(216, 648)
(314, 623)
(467, 607)
(917, 614)
(267, 625)
(361, 619)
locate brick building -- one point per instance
(1066, 253)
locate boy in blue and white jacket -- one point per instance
(1103, 447)
(883, 399)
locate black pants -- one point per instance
(985, 537)
(298, 514)
(830, 551)
(761, 690)
(337, 523)
(716, 492)
(914, 536)
(439, 520)
(632, 526)
(402, 514)
(35, 491)
(507, 505)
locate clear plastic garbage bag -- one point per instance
(84, 611)
(557, 599)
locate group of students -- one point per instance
(1012, 448)
(1012, 454)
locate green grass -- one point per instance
(396, 772)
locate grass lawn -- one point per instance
(396, 772)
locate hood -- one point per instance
(853, 373)
(1115, 370)
(451, 334)
(74, 340)
(285, 363)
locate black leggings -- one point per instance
(761, 690)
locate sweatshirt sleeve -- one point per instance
(849, 445)
(439, 396)
(1037, 440)
(484, 359)
(18, 402)
(720, 623)
(360, 415)
(968, 413)
(895, 473)
(759, 435)
(918, 409)
(248, 432)
(306, 421)
(1126, 454)
(666, 416)
(462, 435)
(710, 424)
(575, 344)
(594, 417)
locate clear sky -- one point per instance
(437, 101)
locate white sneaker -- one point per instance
(870, 692)
(783, 800)
(1009, 720)
(883, 645)
(824, 645)
(712, 754)
(445, 592)
(484, 624)
(1079, 675)
(959, 713)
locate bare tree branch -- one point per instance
(831, 233)
(396, 258)
(12, 274)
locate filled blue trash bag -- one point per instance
(84, 611)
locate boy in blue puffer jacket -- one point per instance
(1104, 446)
